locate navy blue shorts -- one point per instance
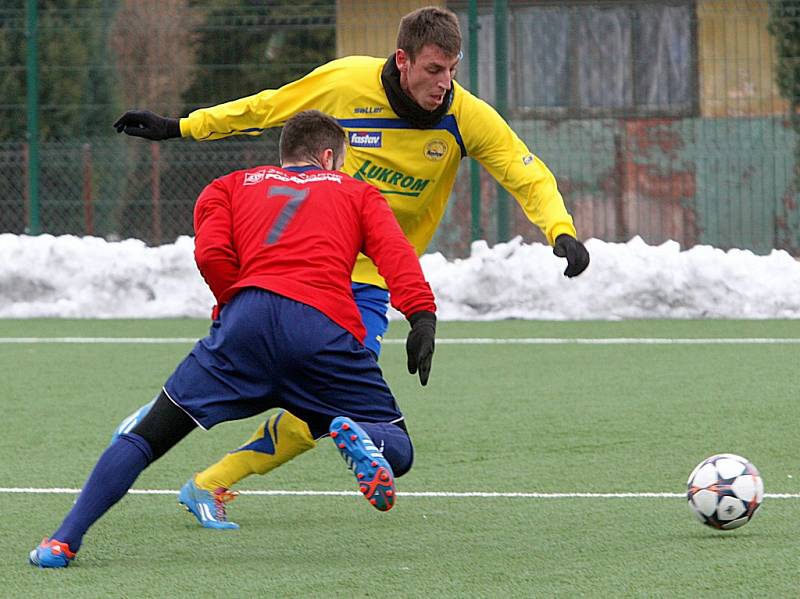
(267, 351)
(373, 304)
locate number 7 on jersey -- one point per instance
(296, 197)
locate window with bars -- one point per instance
(605, 59)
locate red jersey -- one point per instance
(297, 232)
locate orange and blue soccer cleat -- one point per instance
(51, 554)
(373, 473)
(207, 507)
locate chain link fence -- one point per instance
(660, 119)
(119, 187)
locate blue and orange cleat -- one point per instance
(207, 507)
(373, 473)
(51, 554)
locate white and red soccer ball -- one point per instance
(725, 491)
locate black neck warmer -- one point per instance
(404, 106)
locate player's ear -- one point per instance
(327, 160)
(402, 60)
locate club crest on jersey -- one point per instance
(253, 178)
(526, 160)
(435, 149)
(366, 139)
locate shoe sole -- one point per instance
(373, 473)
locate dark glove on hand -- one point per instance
(143, 123)
(419, 344)
(574, 251)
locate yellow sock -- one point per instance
(286, 437)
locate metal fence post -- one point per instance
(501, 100)
(474, 168)
(88, 207)
(32, 106)
(155, 184)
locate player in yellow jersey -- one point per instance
(408, 124)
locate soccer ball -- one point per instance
(725, 491)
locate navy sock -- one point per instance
(117, 469)
(395, 444)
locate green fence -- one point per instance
(659, 119)
(118, 188)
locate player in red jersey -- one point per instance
(410, 124)
(277, 247)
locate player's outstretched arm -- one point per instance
(143, 123)
(574, 251)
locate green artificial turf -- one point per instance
(622, 418)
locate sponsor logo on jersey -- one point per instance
(368, 109)
(366, 139)
(381, 176)
(305, 177)
(253, 178)
(435, 149)
(526, 160)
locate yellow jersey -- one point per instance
(415, 169)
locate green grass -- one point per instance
(537, 418)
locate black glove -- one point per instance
(143, 123)
(419, 344)
(574, 251)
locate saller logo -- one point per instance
(366, 139)
(381, 177)
(368, 109)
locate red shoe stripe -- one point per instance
(57, 547)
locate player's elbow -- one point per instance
(202, 259)
(219, 269)
(214, 257)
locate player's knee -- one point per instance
(163, 426)
(140, 443)
(395, 444)
(403, 466)
(401, 454)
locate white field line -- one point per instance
(453, 341)
(446, 341)
(445, 494)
